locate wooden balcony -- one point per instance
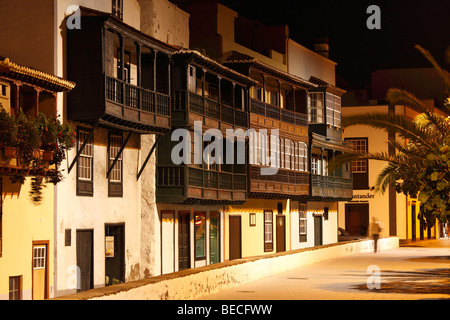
(190, 185)
(282, 185)
(190, 107)
(264, 115)
(130, 105)
(331, 188)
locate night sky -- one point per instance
(358, 50)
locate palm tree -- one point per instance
(421, 164)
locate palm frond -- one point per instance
(443, 75)
(348, 157)
(386, 178)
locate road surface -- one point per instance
(417, 271)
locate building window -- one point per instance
(85, 165)
(359, 146)
(333, 110)
(360, 167)
(268, 231)
(14, 288)
(315, 107)
(115, 182)
(302, 156)
(117, 9)
(302, 230)
(200, 235)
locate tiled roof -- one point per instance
(215, 65)
(13, 69)
(241, 58)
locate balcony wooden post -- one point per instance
(155, 98)
(264, 88)
(37, 102)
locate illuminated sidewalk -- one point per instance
(417, 271)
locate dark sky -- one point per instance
(358, 50)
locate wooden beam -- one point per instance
(148, 157)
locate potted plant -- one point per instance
(8, 132)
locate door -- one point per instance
(184, 249)
(114, 254)
(281, 233)
(85, 261)
(214, 238)
(357, 218)
(317, 230)
(40, 271)
(235, 237)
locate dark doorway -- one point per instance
(184, 249)
(281, 233)
(235, 237)
(413, 222)
(317, 230)
(357, 218)
(85, 261)
(114, 254)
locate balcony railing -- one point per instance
(282, 176)
(277, 113)
(210, 108)
(329, 186)
(174, 176)
(135, 97)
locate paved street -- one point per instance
(417, 271)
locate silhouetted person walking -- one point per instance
(375, 230)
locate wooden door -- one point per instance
(235, 237)
(85, 260)
(184, 248)
(281, 233)
(40, 271)
(317, 230)
(114, 254)
(357, 218)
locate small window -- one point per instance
(315, 107)
(15, 288)
(85, 165)
(359, 146)
(200, 235)
(39, 253)
(268, 231)
(117, 9)
(302, 230)
(115, 182)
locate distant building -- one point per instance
(397, 212)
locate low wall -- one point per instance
(194, 283)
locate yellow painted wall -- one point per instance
(23, 223)
(253, 236)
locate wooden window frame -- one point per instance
(115, 188)
(117, 9)
(268, 224)
(19, 289)
(85, 187)
(360, 179)
(302, 222)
